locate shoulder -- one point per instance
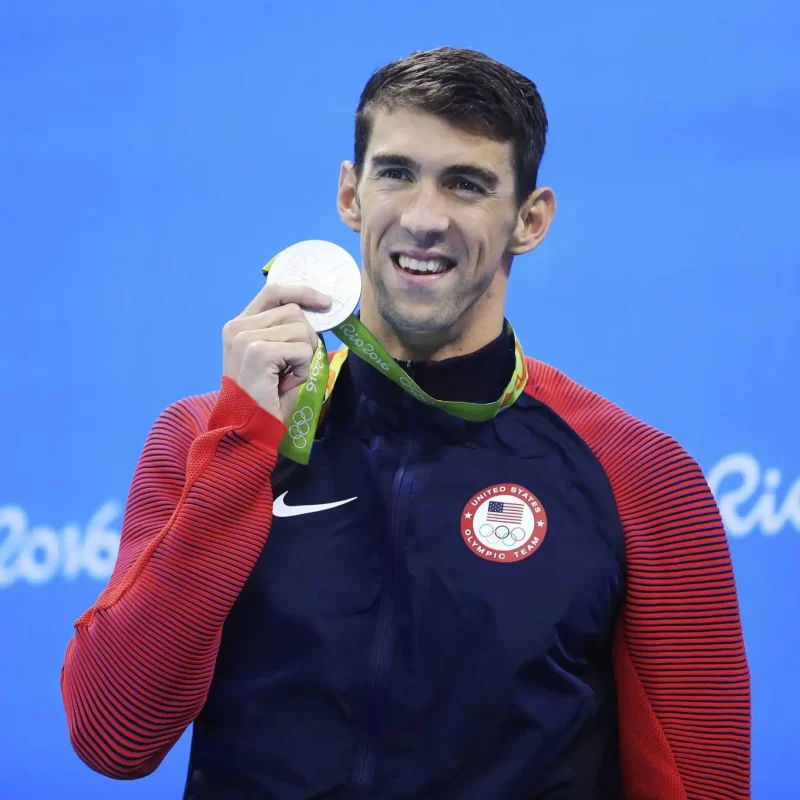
(653, 478)
(617, 438)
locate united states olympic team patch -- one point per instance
(505, 523)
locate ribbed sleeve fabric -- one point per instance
(138, 668)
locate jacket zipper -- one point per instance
(364, 757)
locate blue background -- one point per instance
(153, 155)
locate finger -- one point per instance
(294, 357)
(280, 315)
(298, 359)
(273, 295)
(288, 382)
(293, 331)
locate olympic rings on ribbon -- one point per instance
(300, 427)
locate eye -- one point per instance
(463, 185)
(393, 174)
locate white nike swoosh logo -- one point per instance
(280, 509)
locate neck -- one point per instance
(478, 376)
(438, 346)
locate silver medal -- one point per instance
(323, 266)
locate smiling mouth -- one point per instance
(417, 266)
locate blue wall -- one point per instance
(153, 155)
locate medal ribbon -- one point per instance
(302, 425)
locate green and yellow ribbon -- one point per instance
(302, 425)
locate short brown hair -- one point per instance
(469, 90)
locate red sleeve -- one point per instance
(137, 671)
(681, 669)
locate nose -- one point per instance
(425, 215)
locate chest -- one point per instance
(517, 547)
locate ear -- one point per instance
(347, 197)
(533, 221)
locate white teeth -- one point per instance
(415, 265)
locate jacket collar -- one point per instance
(478, 377)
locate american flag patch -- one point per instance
(510, 513)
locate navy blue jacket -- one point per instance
(538, 606)
(374, 653)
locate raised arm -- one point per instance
(138, 668)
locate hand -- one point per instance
(268, 348)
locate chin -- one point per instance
(410, 324)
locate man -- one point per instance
(540, 605)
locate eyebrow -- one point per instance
(487, 177)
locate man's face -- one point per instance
(436, 209)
